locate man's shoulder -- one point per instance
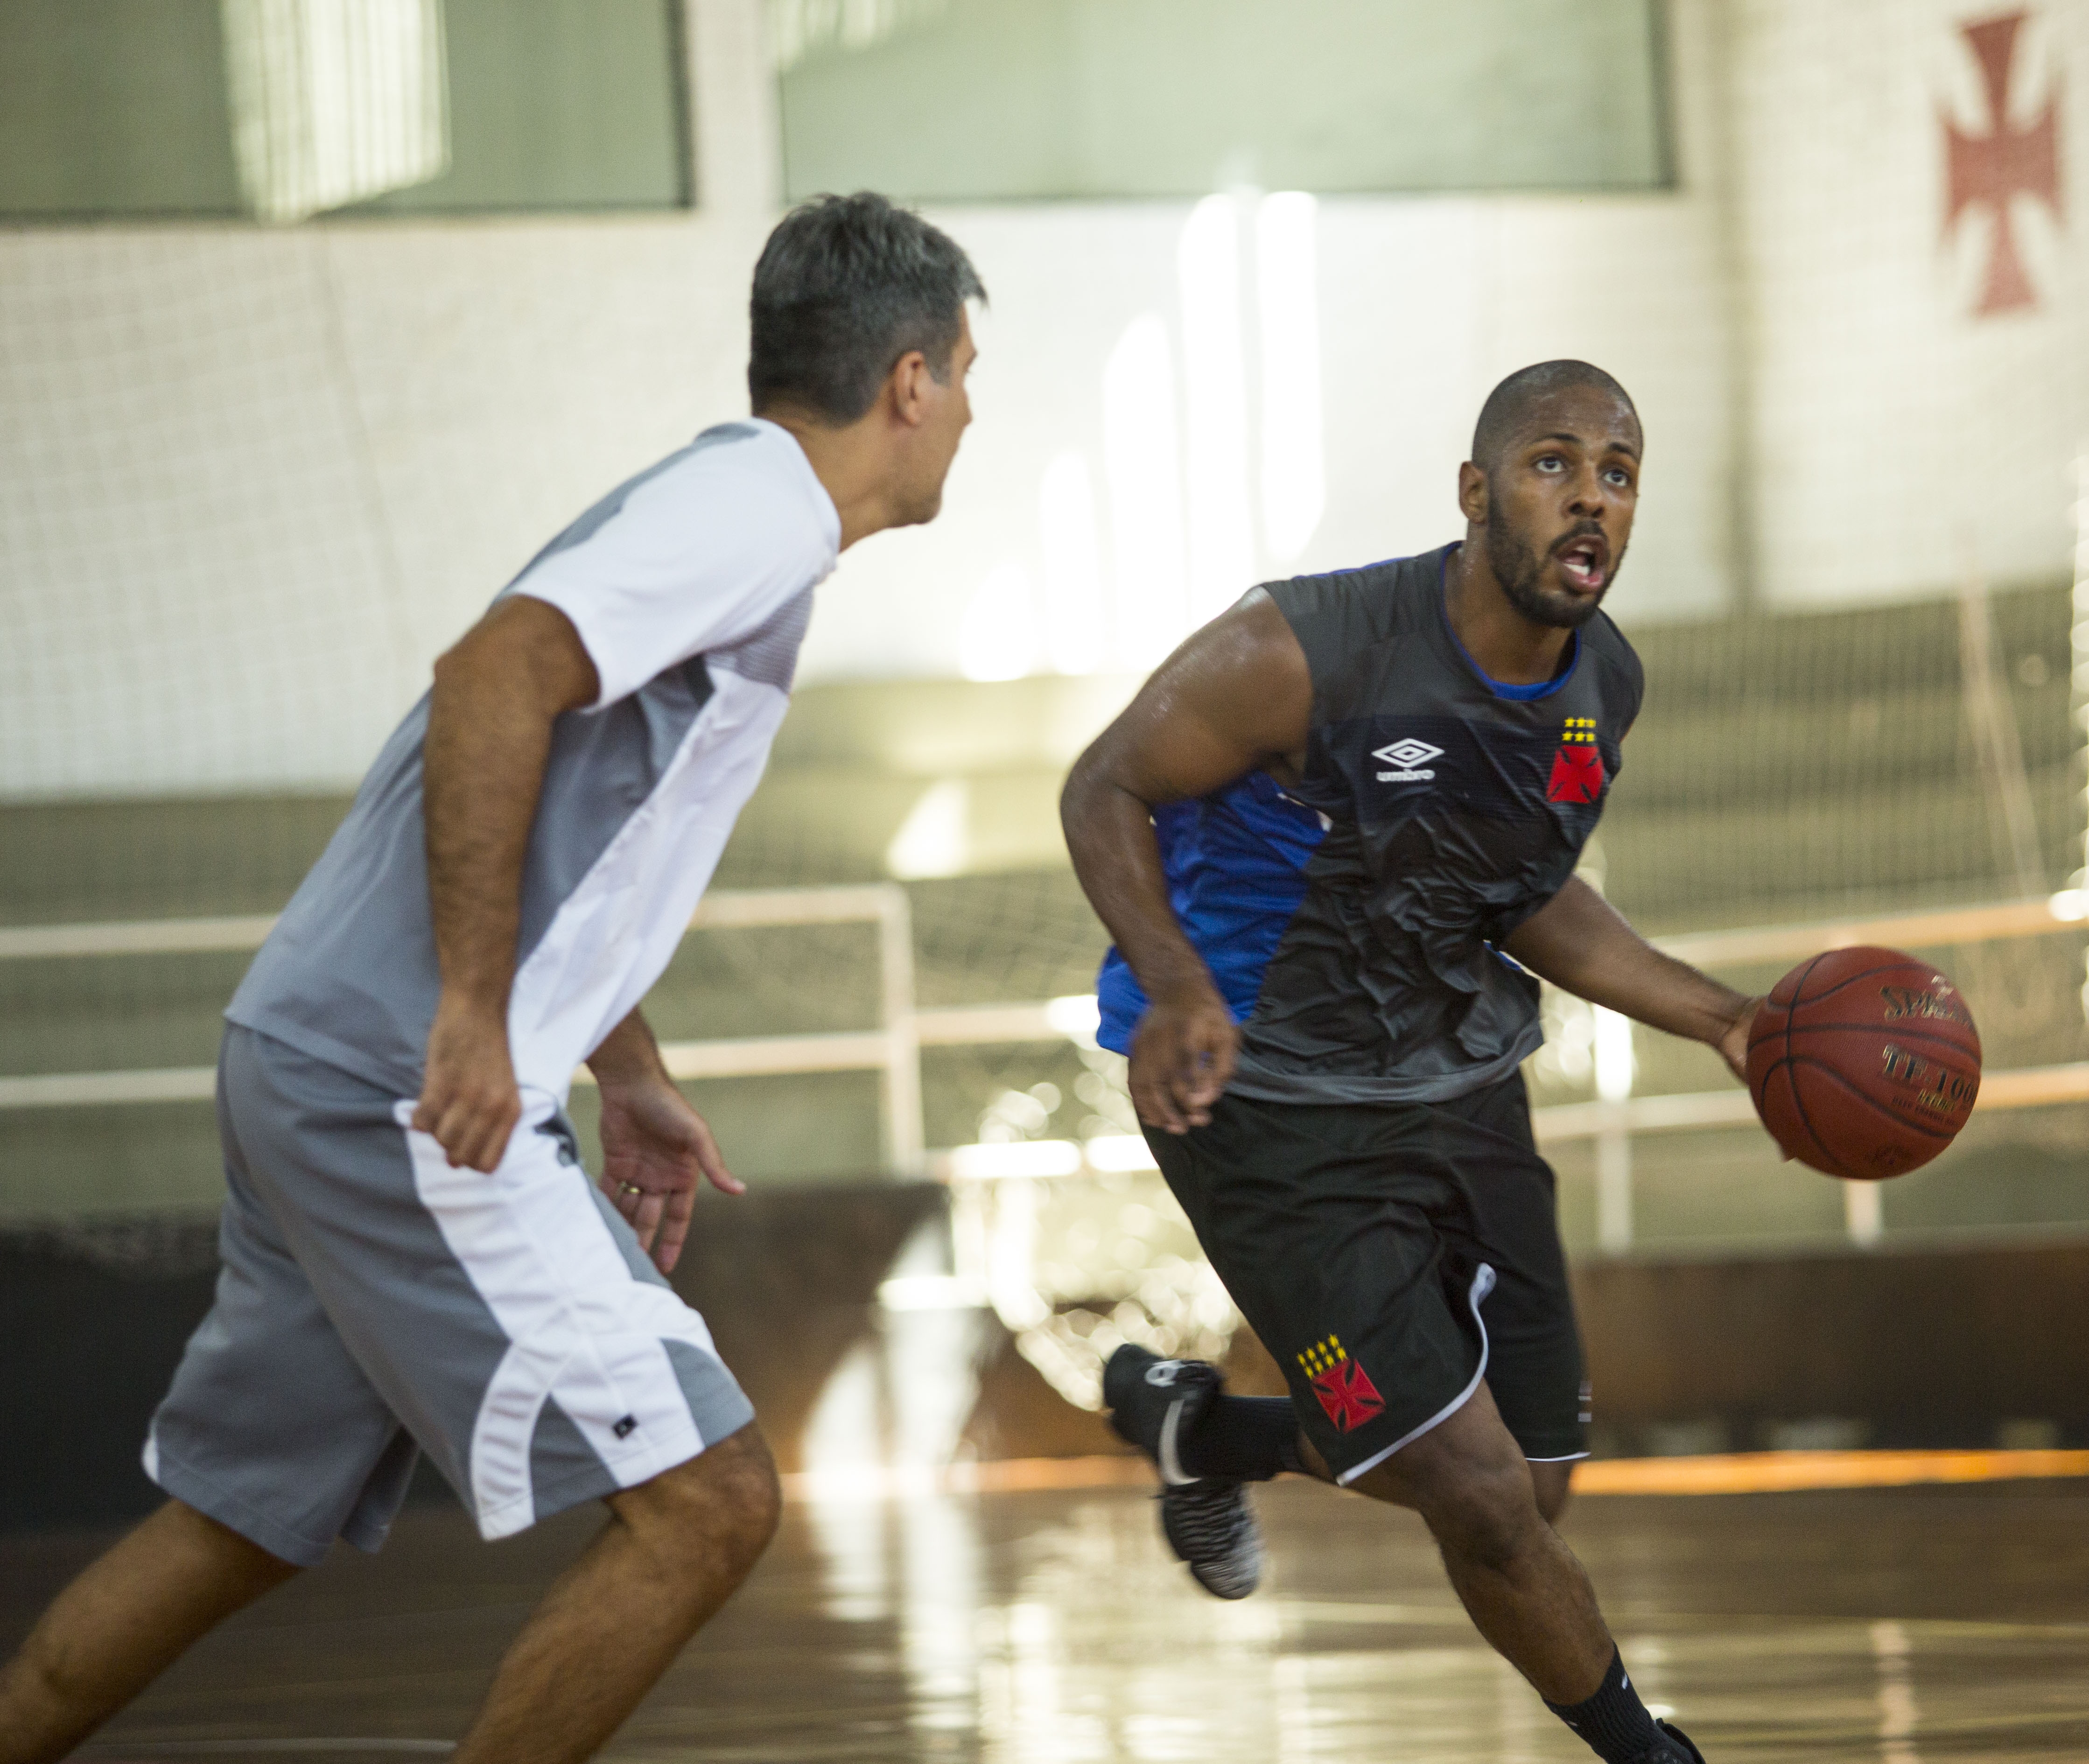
(729, 443)
(1375, 582)
(1370, 599)
(750, 477)
(735, 452)
(1347, 620)
(738, 490)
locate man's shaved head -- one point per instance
(1551, 487)
(1509, 404)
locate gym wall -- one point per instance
(253, 481)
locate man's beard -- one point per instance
(1518, 566)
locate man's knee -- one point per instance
(722, 1506)
(1470, 1481)
(1485, 1514)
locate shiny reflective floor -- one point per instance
(1906, 1626)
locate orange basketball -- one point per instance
(1863, 1062)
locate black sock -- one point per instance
(1613, 1721)
(1248, 1438)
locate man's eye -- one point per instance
(1550, 462)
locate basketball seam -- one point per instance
(1760, 1093)
(1791, 1085)
(1798, 992)
(1799, 997)
(1806, 1121)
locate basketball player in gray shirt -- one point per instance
(413, 1261)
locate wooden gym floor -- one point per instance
(1902, 1626)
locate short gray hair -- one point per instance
(845, 287)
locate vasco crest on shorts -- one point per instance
(1344, 1387)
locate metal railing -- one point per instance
(893, 1050)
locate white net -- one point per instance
(251, 482)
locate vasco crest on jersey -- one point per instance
(1577, 768)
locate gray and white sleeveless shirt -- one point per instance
(690, 587)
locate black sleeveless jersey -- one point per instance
(1454, 808)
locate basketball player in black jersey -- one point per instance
(1334, 838)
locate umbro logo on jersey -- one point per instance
(1409, 757)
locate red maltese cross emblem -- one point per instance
(1577, 768)
(2011, 160)
(1344, 1387)
(1347, 1393)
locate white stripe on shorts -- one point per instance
(580, 1327)
(1483, 1283)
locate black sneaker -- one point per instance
(1206, 1520)
(1680, 1749)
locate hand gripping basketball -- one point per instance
(1863, 1063)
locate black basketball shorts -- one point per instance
(1390, 1257)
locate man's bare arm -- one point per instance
(1582, 944)
(1237, 695)
(657, 1150)
(629, 1054)
(496, 695)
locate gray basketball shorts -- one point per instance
(376, 1303)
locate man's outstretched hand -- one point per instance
(468, 1101)
(656, 1151)
(1182, 1058)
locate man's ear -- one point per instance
(1472, 493)
(908, 384)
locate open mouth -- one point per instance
(1584, 560)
